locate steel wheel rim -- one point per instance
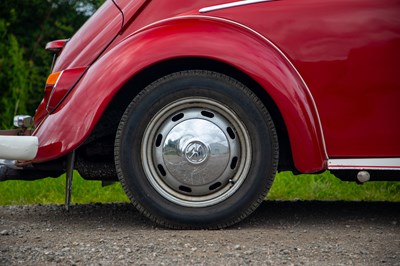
(181, 152)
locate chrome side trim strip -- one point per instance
(365, 163)
(232, 4)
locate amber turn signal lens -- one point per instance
(52, 79)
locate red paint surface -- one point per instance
(347, 52)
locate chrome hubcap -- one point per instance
(196, 152)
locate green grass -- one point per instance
(52, 190)
(326, 186)
(286, 187)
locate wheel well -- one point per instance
(106, 128)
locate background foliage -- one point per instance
(25, 28)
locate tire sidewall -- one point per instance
(197, 84)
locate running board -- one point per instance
(365, 164)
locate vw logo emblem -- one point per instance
(196, 152)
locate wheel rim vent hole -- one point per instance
(231, 133)
(177, 117)
(234, 162)
(158, 140)
(207, 114)
(215, 186)
(162, 170)
(185, 189)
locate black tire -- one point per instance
(196, 149)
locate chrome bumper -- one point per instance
(17, 144)
(19, 148)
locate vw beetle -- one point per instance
(195, 105)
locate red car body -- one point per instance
(331, 68)
(327, 71)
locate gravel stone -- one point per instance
(278, 233)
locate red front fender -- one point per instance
(212, 38)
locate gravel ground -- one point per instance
(278, 233)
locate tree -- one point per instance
(13, 77)
(25, 28)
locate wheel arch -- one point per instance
(152, 73)
(260, 66)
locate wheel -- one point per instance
(196, 149)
